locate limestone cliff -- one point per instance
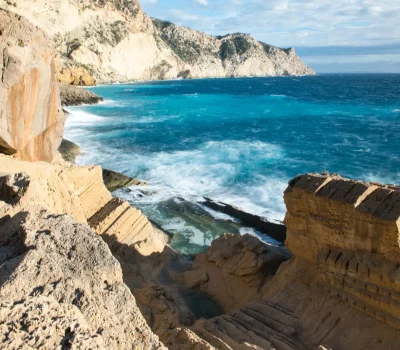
(114, 40)
(31, 119)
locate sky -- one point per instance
(329, 35)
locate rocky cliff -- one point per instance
(341, 288)
(31, 119)
(60, 286)
(114, 40)
(80, 269)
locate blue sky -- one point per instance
(329, 35)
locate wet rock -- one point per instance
(114, 180)
(276, 231)
(69, 150)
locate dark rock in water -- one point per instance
(276, 231)
(74, 96)
(69, 150)
(115, 181)
(194, 220)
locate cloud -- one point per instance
(291, 22)
(201, 2)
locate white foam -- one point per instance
(77, 117)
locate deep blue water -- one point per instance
(240, 140)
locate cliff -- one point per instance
(114, 40)
(80, 269)
(341, 288)
(60, 285)
(31, 119)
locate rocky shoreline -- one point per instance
(81, 269)
(74, 96)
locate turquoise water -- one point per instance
(240, 140)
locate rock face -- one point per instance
(341, 288)
(76, 76)
(60, 285)
(31, 118)
(114, 40)
(235, 269)
(78, 191)
(73, 96)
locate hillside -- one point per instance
(114, 40)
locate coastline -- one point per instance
(241, 219)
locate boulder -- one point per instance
(235, 269)
(31, 119)
(69, 150)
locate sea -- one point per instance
(237, 141)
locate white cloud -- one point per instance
(291, 22)
(201, 2)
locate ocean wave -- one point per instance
(211, 170)
(78, 116)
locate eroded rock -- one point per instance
(340, 290)
(78, 191)
(31, 118)
(235, 269)
(62, 287)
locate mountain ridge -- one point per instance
(116, 41)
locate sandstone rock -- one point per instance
(114, 180)
(235, 269)
(117, 41)
(78, 191)
(78, 76)
(69, 150)
(31, 119)
(62, 287)
(74, 96)
(340, 290)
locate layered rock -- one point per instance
(31, 118)
(78, 191)
(60, 285)
(340, 290)
(350, 230)
(116, 41)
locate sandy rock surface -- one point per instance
(60, 284)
